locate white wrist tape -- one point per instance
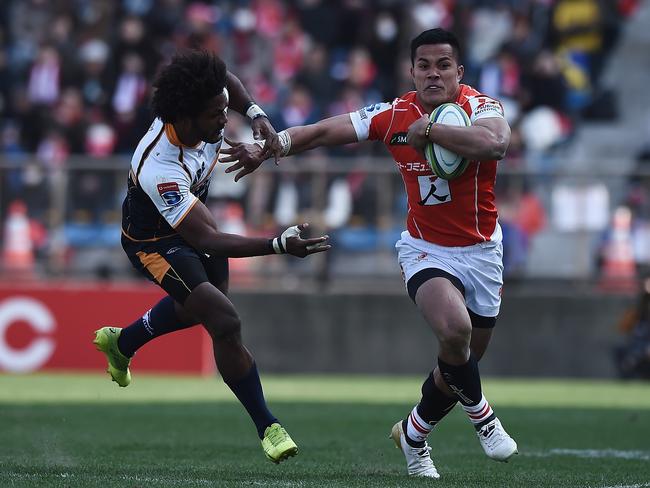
(285, 142)
(254, 111)
(280, 243)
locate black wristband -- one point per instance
(427, 131)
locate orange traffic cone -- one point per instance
(619, 269)
(18, 249)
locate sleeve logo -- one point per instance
(170, 192)
(373, 107)
(488, 106)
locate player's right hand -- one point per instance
(247, 157)
(293, 244)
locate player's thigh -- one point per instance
(435, 288)
(214, 310)
(443, 306)
(218, 271)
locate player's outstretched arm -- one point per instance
(333, 131)
(487, 138)
(200, 231)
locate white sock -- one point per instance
(417, 429)
(479, 412)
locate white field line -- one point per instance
(594, 454)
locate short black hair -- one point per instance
(435, 36)
(182, 88)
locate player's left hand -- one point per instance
(247, 157)
(292, 243)
(262, 129)
(415, 136)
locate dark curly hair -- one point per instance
(182, 87)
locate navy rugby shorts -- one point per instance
(175, 266)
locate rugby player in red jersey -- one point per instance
(451, 252)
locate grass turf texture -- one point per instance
(81, 430)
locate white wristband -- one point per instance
(276, 246)
(285, 142)
(254, 111)
(280, 243)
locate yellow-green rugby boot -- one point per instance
(118, 363)
(277, 444)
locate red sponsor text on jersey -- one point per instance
(165, 187)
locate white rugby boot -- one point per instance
(496, 442)
(418, 460)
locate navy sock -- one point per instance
(161, 319)
(464, 380)
(249, 392)
(434, 404)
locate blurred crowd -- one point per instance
(75, 79)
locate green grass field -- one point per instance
(81, 430)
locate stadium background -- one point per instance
(572, 192)
(340, 346)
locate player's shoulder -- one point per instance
(380, 110)
(371, 111)
(159, 167)
(477, 104)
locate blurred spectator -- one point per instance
(74, 79)
(108, 51)
(44, 77)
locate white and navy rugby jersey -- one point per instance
(166, 180)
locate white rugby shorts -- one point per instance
(478, 267)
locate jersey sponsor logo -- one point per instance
(372, 108)
(488, 105)
(170, 192)
(413, 166)
(433, 190)
(398, 139)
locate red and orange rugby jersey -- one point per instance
(459, 212)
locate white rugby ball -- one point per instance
(444, 163)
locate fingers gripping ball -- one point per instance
(444, 163)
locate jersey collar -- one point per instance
(170, 132)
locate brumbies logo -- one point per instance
(398, 139)
(170, 192)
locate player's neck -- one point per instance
(185, 134)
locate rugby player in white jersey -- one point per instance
(171, 237)
(451, 252)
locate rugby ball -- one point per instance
(444, 163)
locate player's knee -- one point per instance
(224, 326)
(455, 337)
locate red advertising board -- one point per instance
(46, 327)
